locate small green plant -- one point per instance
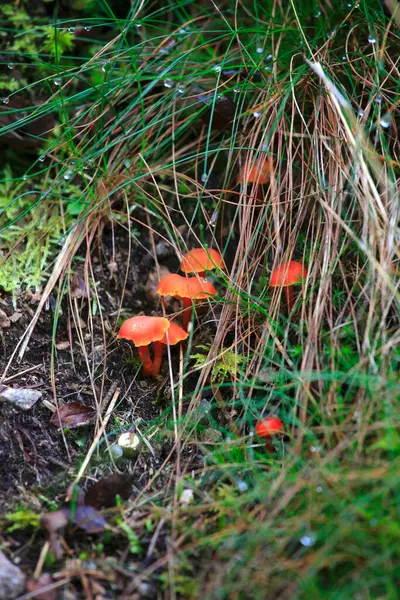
(21, 519)
(226, 366)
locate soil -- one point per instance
(38, 461)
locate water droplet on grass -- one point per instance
(308, 540)
(67, 175)
(41, 158)
(10, 65)
(371, 39)
(57, 81)
(25, 177)
(105, 66)
(71, 29)
(87, 28)
(319, 489)
(127, 163)
(217, 68)
(138, 25)
(236, 91)
(378, 98)
(242, 485)
(361, 112)
(256, 114)
(6, 100)
(168, 83)
(259, 50)
(228, 440)
(386, 120)
(204, 178)
(319, 13)
(180, 88)
(315, 449)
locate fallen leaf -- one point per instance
(73, 415)
(44, 581)
(4, 320)
(79, 289)
(89, 519)
(22, 398)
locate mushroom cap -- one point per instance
(199, 289)
(201, 259)
(287, 274)
(269, 426)
(185, 287)
(258, 171)
(143, 330)
(173, 285)
(175, 334)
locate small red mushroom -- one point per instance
(142, 331)
(188, 289)
(258, 172)
(287, 275)
(268, 427)
(200, 260)
(173, 335)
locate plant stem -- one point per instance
(147, 363)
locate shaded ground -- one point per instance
(36, 463)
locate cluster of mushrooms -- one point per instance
(159, 331)
(144, 330)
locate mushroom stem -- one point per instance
(289, 294)
(269, 446)
(187, 312)
(158, 348)
(147, 363)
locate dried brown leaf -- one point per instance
(73, 415)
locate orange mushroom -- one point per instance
(142, 331)
(200, 260)
(268, 427)
(174, 335)
(258, 171)
(287, 275)
(188, 289)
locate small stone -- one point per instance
(187, 497)
(4, 320)
(63, 345)
(12, 579)
(21, 398)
